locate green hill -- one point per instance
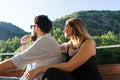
(8, 30)
(97, 22)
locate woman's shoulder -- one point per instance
(89, 40)
(89, 43)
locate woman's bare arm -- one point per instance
(86, 50)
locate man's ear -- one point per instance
(36, 28)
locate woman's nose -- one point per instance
(63, 31)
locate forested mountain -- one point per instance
(97, 22)
(8, 31)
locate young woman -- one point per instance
(79, 62)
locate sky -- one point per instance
(22, 12)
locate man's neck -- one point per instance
(41, 34)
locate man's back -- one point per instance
(44, 51)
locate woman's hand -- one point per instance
(63, 47)
(33, 73)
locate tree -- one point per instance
(58, 35)
(9, 46)
(108, 56)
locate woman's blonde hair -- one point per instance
(80, 32)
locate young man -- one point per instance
(44, 51)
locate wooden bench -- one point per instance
(110, 71)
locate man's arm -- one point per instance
(6, 65)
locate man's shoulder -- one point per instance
(47, 38)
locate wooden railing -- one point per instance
(4, 55)
(99, 47)
(109, 46)
(7, 54)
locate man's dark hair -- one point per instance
(43, 22)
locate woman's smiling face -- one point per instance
(68, 31)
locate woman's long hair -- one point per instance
(80, 32)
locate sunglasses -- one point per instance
(31, 26)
